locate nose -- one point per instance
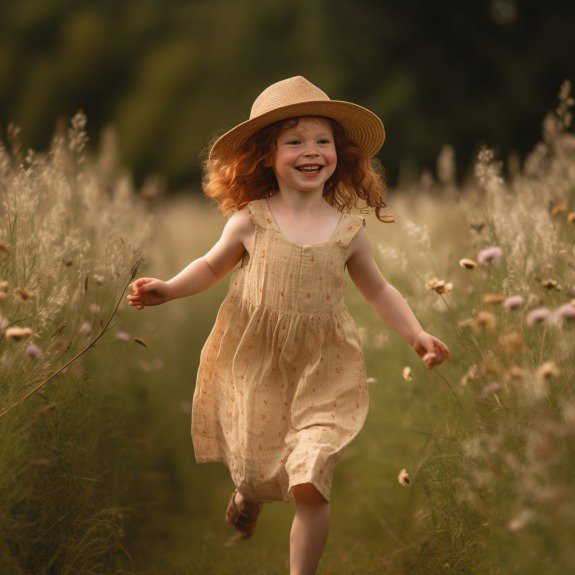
(310, 150)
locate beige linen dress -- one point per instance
(281, 388)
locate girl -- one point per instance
(281, 388)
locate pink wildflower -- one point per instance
(566, 311)
(513, 301)
(488, 254)
(537, 315)
(34, 351)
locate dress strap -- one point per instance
(259, 215)
(350, 228)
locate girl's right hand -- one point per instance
(148, 291)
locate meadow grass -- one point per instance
(486, 439)
(72, 463)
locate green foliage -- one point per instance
(170, 75)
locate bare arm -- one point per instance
(388, 303)
(209, 269)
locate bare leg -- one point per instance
(309, 530)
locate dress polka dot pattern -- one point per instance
(281, 389)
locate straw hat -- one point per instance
(299, 97)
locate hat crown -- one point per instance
(285, 93)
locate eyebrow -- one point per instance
(292, 133)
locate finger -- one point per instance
(442, 349)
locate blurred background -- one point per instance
(169, 75)
(97, 468)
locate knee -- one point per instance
(308, 494)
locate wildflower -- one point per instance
(407, 373)
(24, 295)
(512, 343)
(371, 380)
(17, 333)
(123, 335)
(513, 301)
(403, 477)
(551, 284)
(99, 279)
(85, 328)
(489, 388)
(483, 319)
(94, 308)
(34, 351)
(558, 208)
(438, 285)
(537, 315)
(490, 366)
(489, 254)
(515, 373)
(548, 370)
(566, 311)
(492, 298)
(467, 263)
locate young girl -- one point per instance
(281, 388)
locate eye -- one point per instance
(293, 142)
(324, 141)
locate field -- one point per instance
(97, 474)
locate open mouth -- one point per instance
(311, 169)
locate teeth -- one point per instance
(306, 169)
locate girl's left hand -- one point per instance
(425, 343)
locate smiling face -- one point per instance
(305, 157)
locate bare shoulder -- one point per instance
(362, 267)
(240, 230)
(240, 224)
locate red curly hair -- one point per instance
(248, 175)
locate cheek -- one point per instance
(333, 158)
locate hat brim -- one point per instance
(362, 126)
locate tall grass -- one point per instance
(72, 232)
(97, 472)
(494, 488)
(486, 439)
